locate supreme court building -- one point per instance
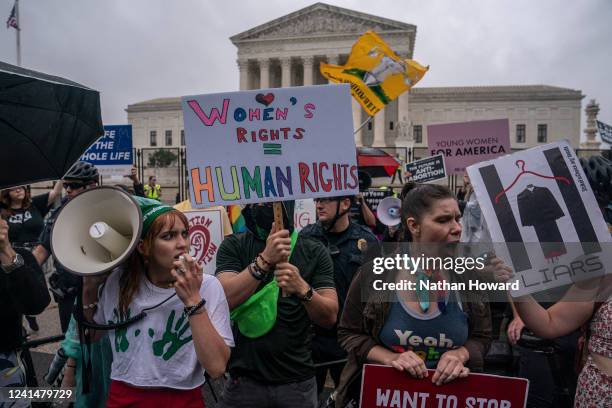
(287, 52)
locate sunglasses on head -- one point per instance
(73, 185)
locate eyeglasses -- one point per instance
(73, 185)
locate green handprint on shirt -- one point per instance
(171, 337)
(121, 340)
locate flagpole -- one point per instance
(18, 33)
(363, 124)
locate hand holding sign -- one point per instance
(289, 279)
(451, 366)
(278, 246)
(410, 362)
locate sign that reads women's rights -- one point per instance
(467, 143)
(270, 145)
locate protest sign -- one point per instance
(304, 213)
(466, 143)
(112, 153)
(270, 145)
(383, 386)
(205, 237)
(373, 196)
(539, 203)
(427, 169)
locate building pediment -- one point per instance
(321, 20)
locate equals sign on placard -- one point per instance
(272, 148)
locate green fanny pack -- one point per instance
(257, 315)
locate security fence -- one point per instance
(169, 167)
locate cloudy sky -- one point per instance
(133, 50)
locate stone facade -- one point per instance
(287, 52)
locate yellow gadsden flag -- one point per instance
(376, 74)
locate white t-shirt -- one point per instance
(158, 350)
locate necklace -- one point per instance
(422, 291)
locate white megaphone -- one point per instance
(96, 231)
(388, 211)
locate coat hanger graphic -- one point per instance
(521, 165)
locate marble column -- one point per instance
(243, 68)
(379, 129)
(264, 73)
(308, 70)
(403, 119)
(357, 122)
(285, 72)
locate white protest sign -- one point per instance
(304, 213)
(205, 237)
(540, 204)
(270, 145)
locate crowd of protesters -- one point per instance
(285, 310)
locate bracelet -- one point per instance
(264, 260)
(191, 310)
(255, 273)
(90, 306)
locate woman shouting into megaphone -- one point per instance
(160, 360)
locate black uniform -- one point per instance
(22, 291)
(347, 258)
(64, 285)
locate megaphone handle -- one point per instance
(279, 225)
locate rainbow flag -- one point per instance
(236, 218)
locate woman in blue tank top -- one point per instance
(419, 329)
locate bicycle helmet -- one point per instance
(598, 171)
(82, 171)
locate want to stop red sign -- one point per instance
(383, 386)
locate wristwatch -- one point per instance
(17, 262)
(308, 296)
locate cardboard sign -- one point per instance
(112, 153)
(270, 145)
(427, 169)
(304, 213)
(463, 144)
(383, 386)
(539, 203)
(205, 237)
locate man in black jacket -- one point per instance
(23, 290)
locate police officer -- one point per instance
(152, 189)
(64, 285)
(347, 242)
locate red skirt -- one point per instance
(124, 395)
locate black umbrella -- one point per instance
(46, 124)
